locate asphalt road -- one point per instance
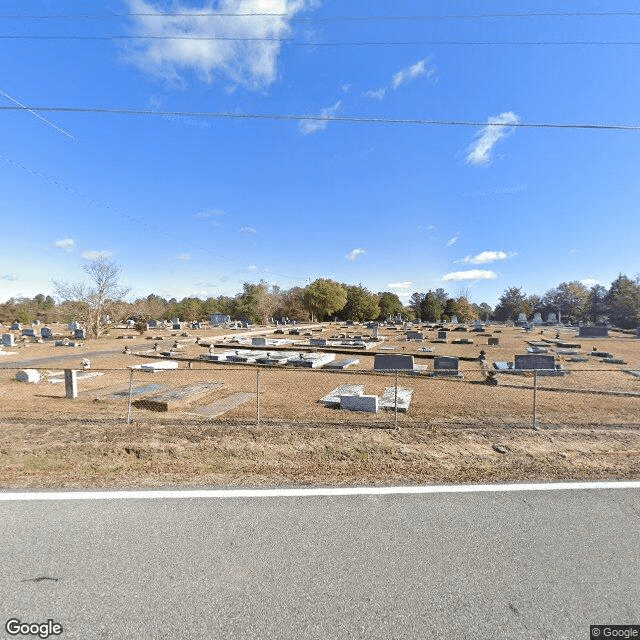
(488, 566)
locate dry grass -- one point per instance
(47, 440)
(89, 455)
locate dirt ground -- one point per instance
(119, 455)
(589, 421)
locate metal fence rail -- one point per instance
(232, 394)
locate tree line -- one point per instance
(103, 301)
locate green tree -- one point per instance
(597, 302)
(361, 304)
(431, 308)
(568, 299)
(324, 297)
(416, 304)
(390, 305)
(623, 302)
(512, 302)
(255, 303)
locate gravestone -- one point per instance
(375, 332)
(389, 396)
(446, 366)
(46, 333)
(392, 362)
(333, 397)
(176, 326)
(493, 342)
(8, 340)
(79, 334)
(318, 342)
(533, 361)
(152, 324)
(442, 335)
(368, 404)
(72, 326)
(342, 364)
(537, 318)
(454, 319)
(16, 326)
(71, 383)
(258, 342)
(415, 335)
(551, 319)
(593, 332)
(28, 375)
(30, 332)
(522, 317)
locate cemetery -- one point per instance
(166, 391)
(221, 352)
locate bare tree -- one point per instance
(95, 304)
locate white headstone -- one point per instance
(537, 318)
(551, 318)
(28, 375)
(8, 339)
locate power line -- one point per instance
(371, 43)
(369, 18)
(345, 119)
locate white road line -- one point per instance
(177, 494)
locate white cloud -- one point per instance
(378, 94)
(419, 68)
(354, 254)
(498, 127)
(400, 285)
(9, 277)
(252, 267)
(211, 213)
(235, 55)
(183, 257)
(251, 231)
(313, 126)
(473, 274)
(96, 255)
(452, 241)
(345, 87)
(416, 70)
(589, 282)
(484, 257)
(66, 244)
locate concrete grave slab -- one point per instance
(312, 360)
(156, 366)
(367, 404)
(179, 397)
(342, 364)
(387, 401)
(224, 405)
(333, 397)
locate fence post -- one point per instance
(395, 404)
(130, 395)
(258, 397)
(535, 393)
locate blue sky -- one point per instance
(189, 205)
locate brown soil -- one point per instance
(590, 421)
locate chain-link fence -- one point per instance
(275, 395)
